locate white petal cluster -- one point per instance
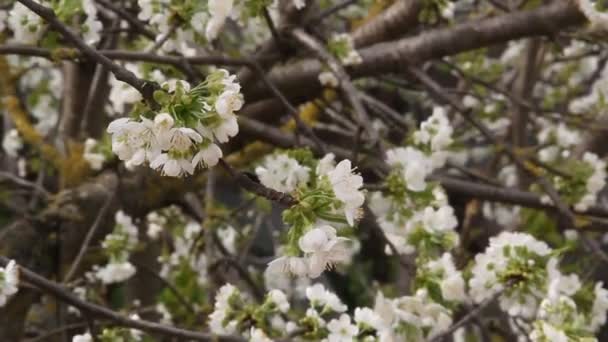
(282, 173)
(599, 308)
(595, 182)
(436, 132)
(322, 298)
(404, 223)
(9, 281)
(222, 309)
(321, 248)
(94, 158)
(415, 164)
(158, 13)
(12, 143)
(328, 79)
(341, 329)
(258, 335)
(299, 4)
(219, 10)
(343, 47)
(347, 188)
(279, 299)
(115, 272)
(508, 257)
(184, 240)
(121, 94)
(92, 25)
(156, 222)
(173, 146)
(597, 18)
(450, 280)
(26, 25)
(418, 311)
(559, 140)
(118, 246)
(86, 337)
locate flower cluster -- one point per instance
(517, 258)
(282, 173)
(524, 271)
(26, 25)
(233, 312)
(595, 182)
(118, 246)
(326, 194)
(442, 274)
(12, 143)
(9, 281)
(93, 155)
(413, 213)
(183, 135)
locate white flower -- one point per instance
(442, 219)
(519, 250)
(328, 79)
(326, 164)
(345, 49)
(135, 334)
(319, 296)
(12, 143)
(437, 132)
(228, 236)
(83, 338)
(9, 281)
(595, 182)
(415, 166)
(115, 272)
(25, 24)
(421, 312)
(219, 11)
(323, 249)
(279, 298)
(346, 185)
(155, 225)
(299, 4)
(452, 284)
(281, 173)
(368, 318)
(598, 19)
(172, 167)
(258, 335)
(341, 330)
(229, 102)
(600, 305)
(93, 28)
(209, 156)
(94, 159)
(544, 331)
(222, 305)
(291, 265)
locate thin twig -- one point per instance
(257, 188)
(89, 237)
(345, 82)
(146, 88)
(134, 22)
(468, 317)
(95, 310)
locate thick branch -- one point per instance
(393, 56)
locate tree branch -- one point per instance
(95, 310)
